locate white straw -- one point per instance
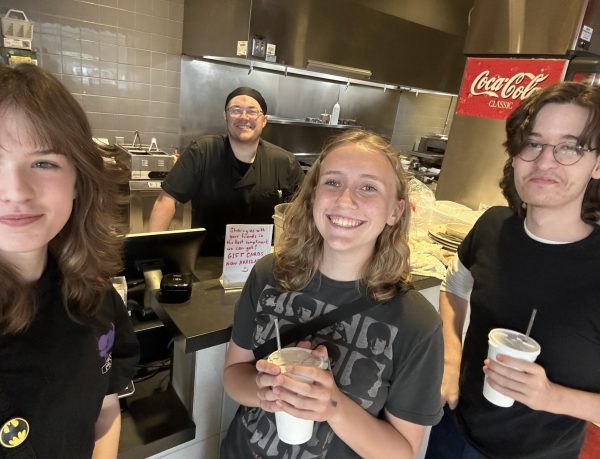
(277, 334)
(533, 313)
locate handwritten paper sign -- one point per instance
(244, 246)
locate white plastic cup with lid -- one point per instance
(512, 344)
(290, 429)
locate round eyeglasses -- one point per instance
(236, 112)
(566, 153)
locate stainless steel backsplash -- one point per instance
(205, 84)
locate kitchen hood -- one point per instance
(534, 28)
(335, 69)
(401, 42)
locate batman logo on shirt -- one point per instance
(14, 432)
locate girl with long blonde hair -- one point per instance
(344, 241)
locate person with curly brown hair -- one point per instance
(66, 343)
(542, 252)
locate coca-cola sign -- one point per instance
(494, 87)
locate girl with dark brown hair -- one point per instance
(66, 342)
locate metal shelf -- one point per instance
(303, 122)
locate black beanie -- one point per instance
(246, 91)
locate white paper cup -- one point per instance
(290, 429)
(513, 344)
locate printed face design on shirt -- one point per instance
(360, 350)
(242, 128)
(105, 345)
(378, 337)
(364, 374)
(546, 184)
(272, 299)
(37, 189)
(304, 307)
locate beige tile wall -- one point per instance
(120, 58)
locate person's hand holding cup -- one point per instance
(290, 429)
(512, 344)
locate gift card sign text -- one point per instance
(244, 246)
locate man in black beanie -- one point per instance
(237, 178)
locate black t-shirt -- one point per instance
(57, 372)
(221, 192)
(387, 357)
(512, 275)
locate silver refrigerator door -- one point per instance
(532, 27)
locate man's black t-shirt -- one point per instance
(57, 373)
(222, 192)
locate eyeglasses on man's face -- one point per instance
(251, 112)
(566, 153)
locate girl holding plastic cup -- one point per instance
(345, 238)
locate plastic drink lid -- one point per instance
(513, 340)
(295, 356)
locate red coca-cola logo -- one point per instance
(518, 86)
(494, 87)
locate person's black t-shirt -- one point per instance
(57, 373)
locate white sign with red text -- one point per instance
(244, 246)
(494, 87)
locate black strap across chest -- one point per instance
(318, 323)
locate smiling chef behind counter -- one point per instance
(237, 178)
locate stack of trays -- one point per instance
(438, 233)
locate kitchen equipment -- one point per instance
(148, 166)
(17, 31)
(145, 161)
(430, 151)
(433, 143)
